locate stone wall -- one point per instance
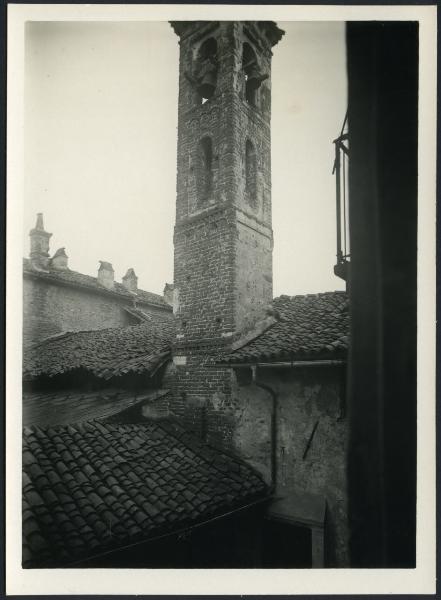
(311, 440)
(49, 308)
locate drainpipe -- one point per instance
(274, 417)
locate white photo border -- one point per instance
(420, 580)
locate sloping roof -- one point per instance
(139, 314)
(73, 278)
(312, 326)
(105, 353)
(63, 407)
(93, 487)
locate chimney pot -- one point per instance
(39, 254)
(59, 259)
(106, 275)
(39, 224)
(130, 280)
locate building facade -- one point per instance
(57, 299)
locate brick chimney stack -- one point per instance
(106, 275)
(59, 260)
(39, 254)
(130, 281)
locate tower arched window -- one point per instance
(206, 69)
(254, 75)
(250, 174)
(204, 169)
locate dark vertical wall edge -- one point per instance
(383, 120)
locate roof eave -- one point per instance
(90, 288)
(286, 364)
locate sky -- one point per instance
(100, 147)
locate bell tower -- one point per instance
(223, 236)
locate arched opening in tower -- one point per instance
(253, 74)
(207, 69)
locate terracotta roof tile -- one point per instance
(106, 352)
(307, 327)
(105, 509)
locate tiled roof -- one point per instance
(105, 353)
(94, 487)
(312, 326)
(63, 407)
(139, 314)
(76, 279)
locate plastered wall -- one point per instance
(311, 440)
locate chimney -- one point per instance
(169, 293)
(59, 260)
(39, 254)
(106, 275)
(130, 281)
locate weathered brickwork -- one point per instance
(311, 440)
(49, 309)
(223, 237)
(204, 278)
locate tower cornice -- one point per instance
(269, 29)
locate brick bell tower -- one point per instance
(223, 237)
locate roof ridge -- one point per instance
(119, 287)
(312, 294)
(55, 336)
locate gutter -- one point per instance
(286, 364)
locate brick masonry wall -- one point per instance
(201, 395)
(223, 240)
(204, 248)
(305, 397)
(49, 309)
